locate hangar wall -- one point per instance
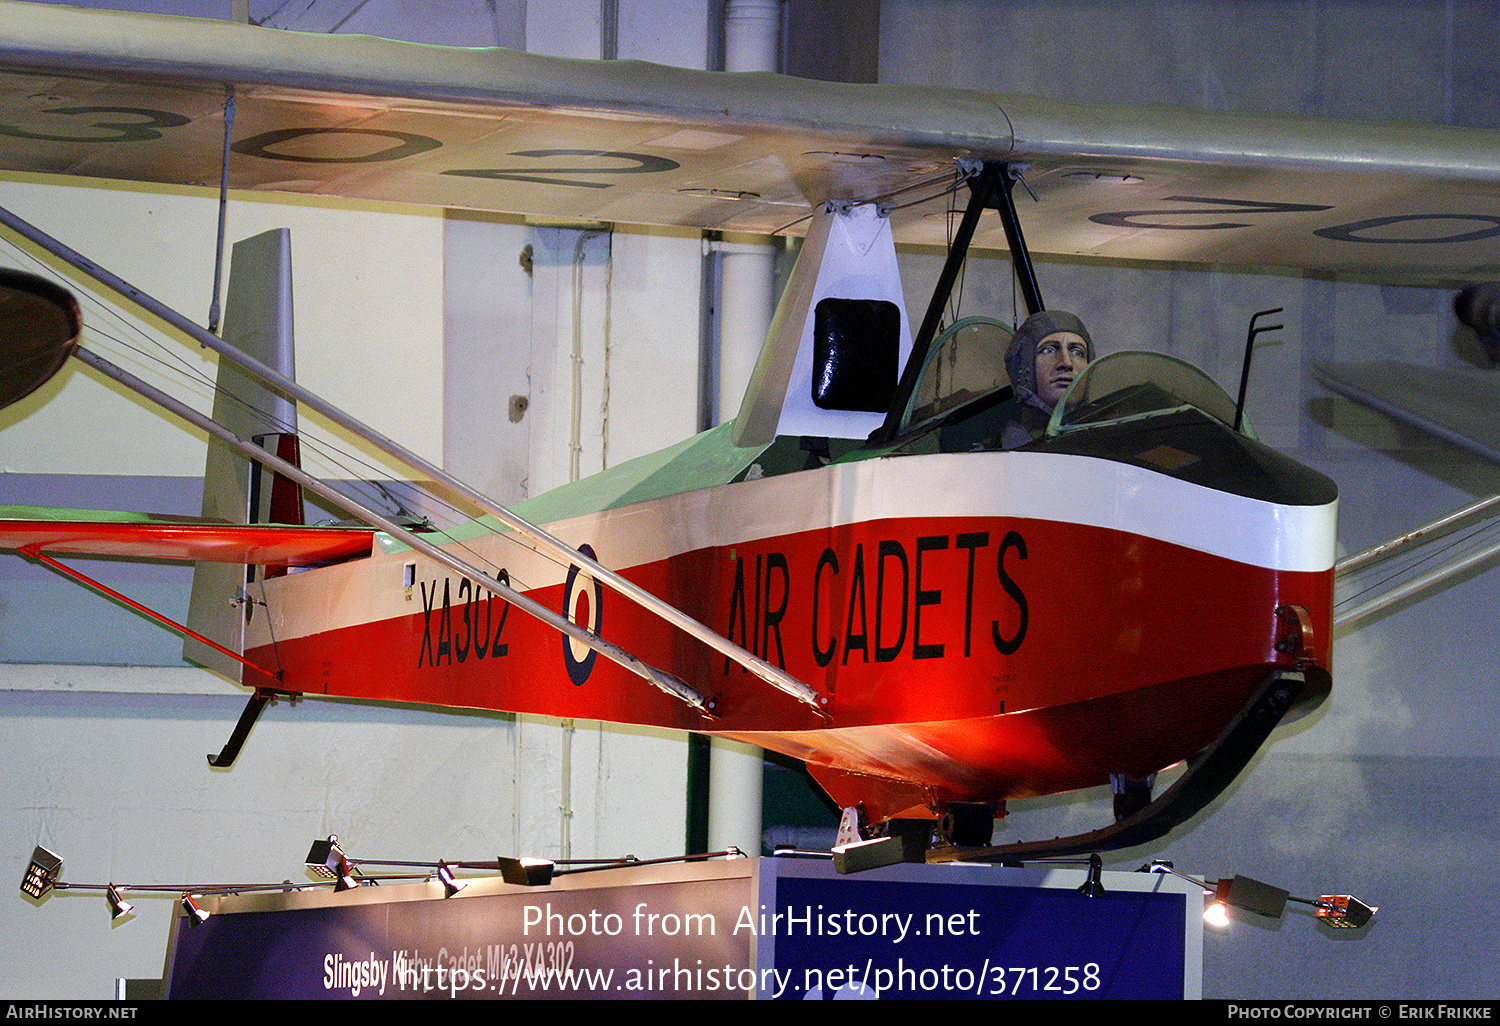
(1388, 793)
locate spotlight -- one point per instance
(1252, 896)
(195, 914)
(326, 858)
(118, 906)
(1337, 910)
(527, 872)
(858, 856)
(451, 884)
(41, 874)
(1343, 911)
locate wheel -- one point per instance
(1132, 794)
(967, 824)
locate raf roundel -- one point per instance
(585, 607)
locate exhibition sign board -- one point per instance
(773, 928)
(981, 931)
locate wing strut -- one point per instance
(555, 547)
(662, 680)
(253, 707)
(1424, 535)
(35, 552)
(989, 187)
(1020, 256)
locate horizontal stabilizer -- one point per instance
(85, 532)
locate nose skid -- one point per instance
(1207, 776)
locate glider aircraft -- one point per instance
(849, 572)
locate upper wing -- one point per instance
(86, 532)
(120, 95)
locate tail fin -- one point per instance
(258, 322)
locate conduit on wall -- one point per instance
(752, 41)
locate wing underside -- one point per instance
(115, 95)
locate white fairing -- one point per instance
(849, 254)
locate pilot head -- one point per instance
(1047, 352)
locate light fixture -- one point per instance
(526, 872)
(1215, 913)
(1251, 895)
(196, 915)
(41, 874)
(118, 906)
(451, 884)
(1343, 911)
(857, 856)
(326, 858)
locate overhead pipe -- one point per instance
(747, 271)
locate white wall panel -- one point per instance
(367, 296)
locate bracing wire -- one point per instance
(1440, 551)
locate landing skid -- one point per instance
(1213, 771)
(253, 708)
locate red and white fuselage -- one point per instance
(977, 626)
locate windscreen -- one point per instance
(966, 361)
(1131, 385)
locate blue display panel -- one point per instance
(980, 933)
(769, 928)
(621, 938)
